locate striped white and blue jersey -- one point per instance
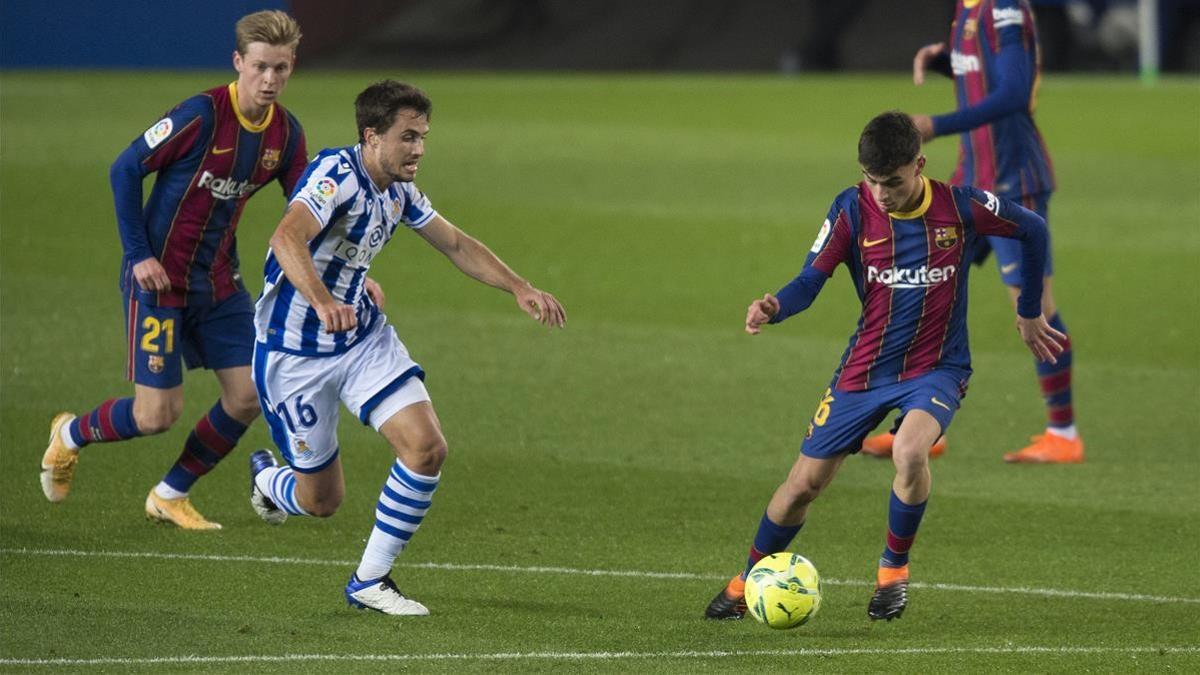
(357, 219)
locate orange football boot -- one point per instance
(730, 602)
(891, 593)
(1048, 448)
(880, 446)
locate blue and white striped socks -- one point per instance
(278, 483)
(402, 506)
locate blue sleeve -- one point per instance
(126, 176)
(831, 248)
(1013, 79)
(173, 137)
(799, 293)
(993, 216)
(1033, 261)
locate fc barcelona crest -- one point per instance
(945, 237)
(970, 28)
(155, 364)
(270, 159)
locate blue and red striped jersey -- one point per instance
(910, 272)
(209, 160)
(996, 64)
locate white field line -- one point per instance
(516, 569)
(604, 656)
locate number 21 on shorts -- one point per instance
(159, 335)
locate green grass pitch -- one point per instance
(604, 480)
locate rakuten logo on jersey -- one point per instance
(923, 276)
(226, 188)
(962, 64)
(1007, 16)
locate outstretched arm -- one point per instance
(828, 251)
(478, 262)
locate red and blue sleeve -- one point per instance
(182, 131)
(992, 216)
(831, 248)
(1012, 73)
(298, 149)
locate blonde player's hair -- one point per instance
(271, 26)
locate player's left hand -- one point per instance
(925, 126)
(541, 306)
(1043, 340)
(374, 291)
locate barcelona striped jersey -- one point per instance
(209, 160)
(910, 272)
(995, 61)
(357, 219)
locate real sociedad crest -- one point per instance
(945, 237)
(270, 159)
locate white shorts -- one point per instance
(299, 395)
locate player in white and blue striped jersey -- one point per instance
(323, 338)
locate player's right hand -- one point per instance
(1045, 341)
(337, 317)
(921, 60)
(760, 312)
(151, 275)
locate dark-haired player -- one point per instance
(994, 58)
(907, 242)
(323, 339)
(184, 298)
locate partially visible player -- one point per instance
(323, 339)
(994, 58)
(183, 295)
(906, 241)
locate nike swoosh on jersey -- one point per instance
(221, 151)
(867, 243)
(1005, 269)
(937, 402)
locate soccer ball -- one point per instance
(783, 590)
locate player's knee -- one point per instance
(157, 417)
(427, 455)
(243, 407)
(802, 490)
(910, 458)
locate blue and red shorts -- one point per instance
(844, 418)
(163, 339)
